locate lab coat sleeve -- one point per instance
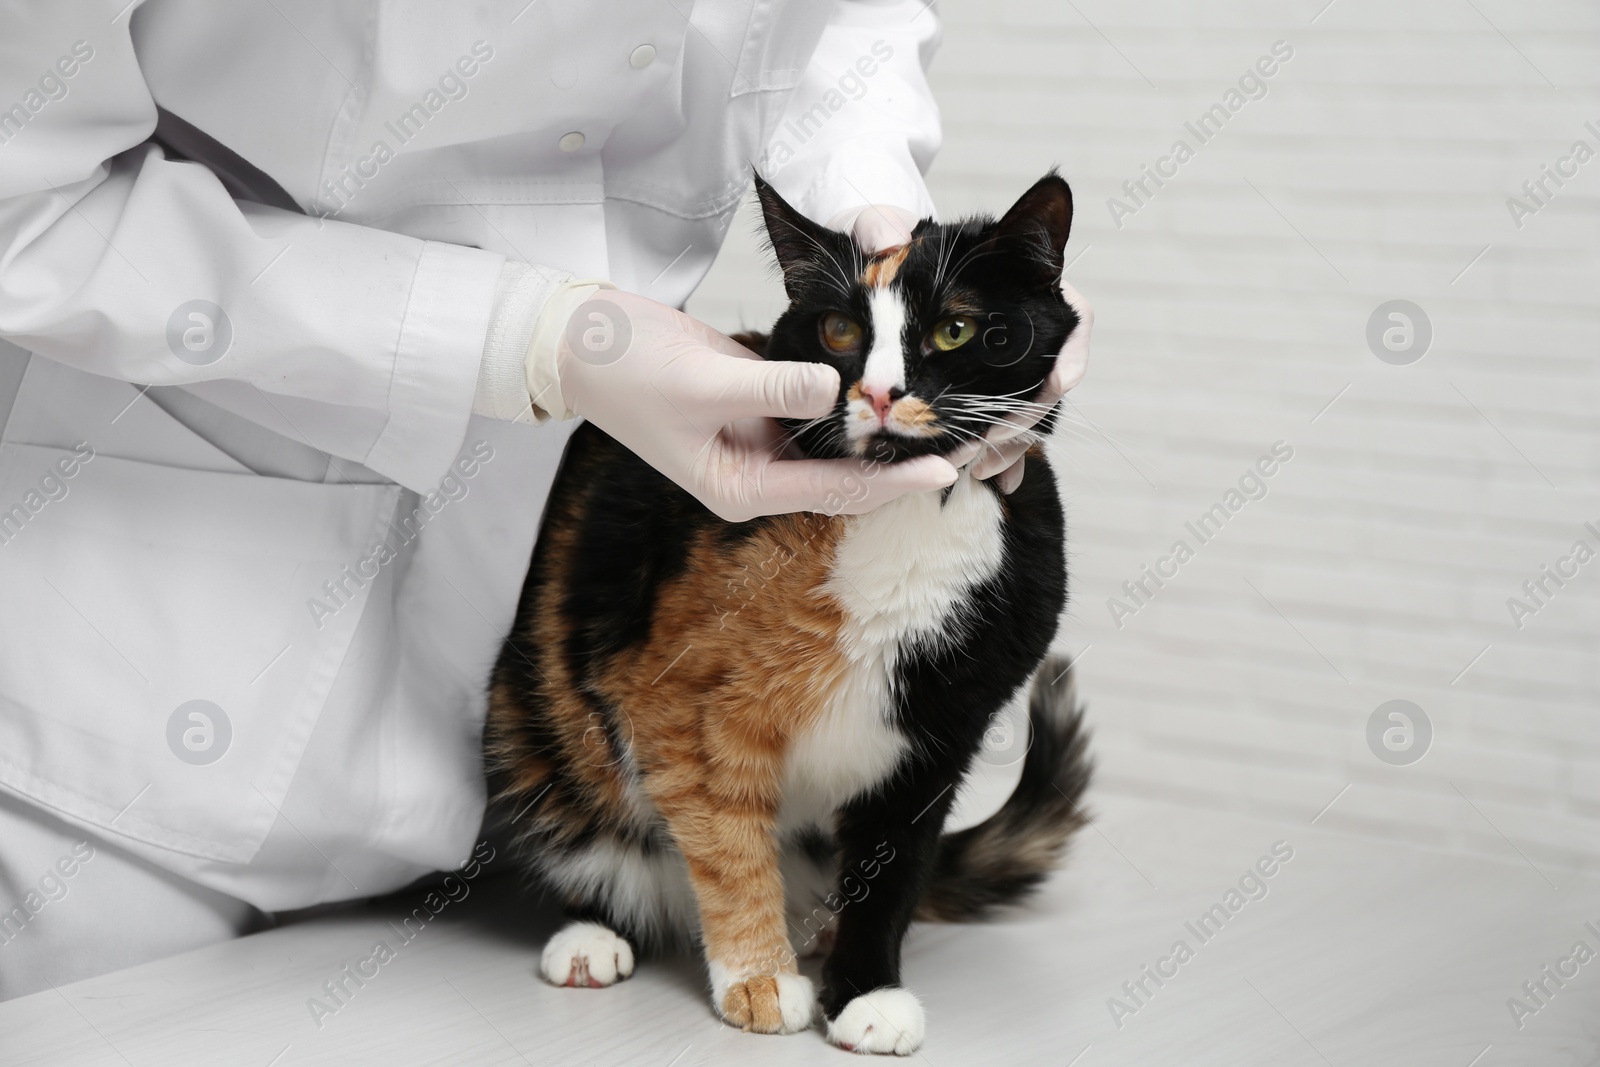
(862, 126)
(105, 244)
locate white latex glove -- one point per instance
(1008, 441)
(876, 226)
(698, 407)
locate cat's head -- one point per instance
(934, 341)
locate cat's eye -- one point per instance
(953, 332)
(840, 332)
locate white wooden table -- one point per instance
(1361, 954)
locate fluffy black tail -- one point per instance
(1005, 857)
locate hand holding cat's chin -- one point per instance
(698, 407)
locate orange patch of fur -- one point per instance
(753, 1005)
(913, 411)
(882, 267)
(714, 703)
(741, 657)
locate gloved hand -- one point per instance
(698, 407)
(1008, 441)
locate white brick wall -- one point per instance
(1392, 540)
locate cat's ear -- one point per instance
(800, 244)
(1039, 223)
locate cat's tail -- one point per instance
(1005, 857)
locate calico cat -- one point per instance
(694, 720)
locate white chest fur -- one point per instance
(902, 574)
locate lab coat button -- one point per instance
(642, 56)
(571, 142)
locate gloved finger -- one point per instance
(1073, 362)
(881, 226)
(1011, 477)
(747, 389)
(832, 486)
(998, 456)
(717, 340)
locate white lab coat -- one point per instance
(256, 564)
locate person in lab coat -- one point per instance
(297, 302)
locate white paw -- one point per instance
(586, 954)
(763, 1003)
(885, 1020)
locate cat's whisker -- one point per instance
(1001, 412)
(1008, 400)
(784, 441)
(1071, 417)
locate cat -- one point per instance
(694, 720)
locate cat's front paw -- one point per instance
(885, 1020)
(586, 954)
(763, 1003)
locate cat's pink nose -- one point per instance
(880, 397)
